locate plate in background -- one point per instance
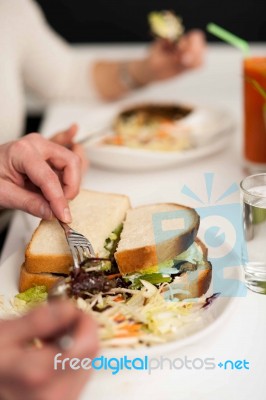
(209, 128)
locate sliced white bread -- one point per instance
(28, 280)
(153, 234)
(189, 284)
(192, 283)
(94, 214)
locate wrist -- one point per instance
(134, 74)
(140, 72)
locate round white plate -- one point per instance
(209, 128)
(214, 315)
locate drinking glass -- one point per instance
(254, 71)
(253, 196)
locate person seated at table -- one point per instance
(34, 56)
(29, 180)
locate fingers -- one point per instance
(65, 138)
(41, 174)
(28, 372)
(13, 196)
(85, 338)
(66, 161)
(44, 322)
(69, 163)
(80, 152)
(36, 157)
(33, 370)
(191, 49)
(52, 168)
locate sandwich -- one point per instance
(155, 243)
(151, 286)
(98, 216)
(158, 244)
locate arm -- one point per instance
(53, 69)
(163, 61)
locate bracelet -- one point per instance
(126, 78)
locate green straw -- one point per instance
(228, 37)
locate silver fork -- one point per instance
(79, 245)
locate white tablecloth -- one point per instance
(241, 335)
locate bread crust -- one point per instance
(196, 287)
(27, 280)
(55, 263)
(139, 259)
(47, 263)
(200, 284)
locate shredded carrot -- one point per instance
(129, 330)
(119, 318)
(124, 335)
(118, 140)
(132, 327)
(118, 298)
(162, 134)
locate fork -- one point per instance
(79, 245)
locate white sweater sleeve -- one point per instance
(52, 68)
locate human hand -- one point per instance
(27, 372)
(165, 60)
(38, 176)
(65, 138)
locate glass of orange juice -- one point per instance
(255, 113)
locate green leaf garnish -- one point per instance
(36, 294)
(154, 279)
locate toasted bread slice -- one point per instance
(153, 234)
(28, 280)
(94, 214)
(193, 283)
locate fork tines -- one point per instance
(79, 245)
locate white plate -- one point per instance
(209, 128)
(213, 316)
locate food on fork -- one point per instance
(166, 25)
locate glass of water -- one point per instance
(253, 194)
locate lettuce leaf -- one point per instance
(36, 294)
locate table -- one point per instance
(219, 84)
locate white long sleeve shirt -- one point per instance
(33, 56)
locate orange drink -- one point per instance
(255, 113)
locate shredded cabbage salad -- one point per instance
(130, 318)
(141, 309)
